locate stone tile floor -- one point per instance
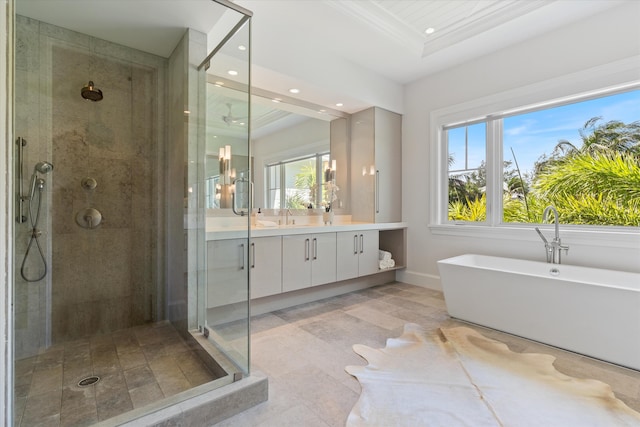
(136, 366)
(304, 351)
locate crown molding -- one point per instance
(479, 22)
(386, 23)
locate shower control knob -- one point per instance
(89, 218)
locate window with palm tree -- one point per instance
(293, 184)
(589, 172)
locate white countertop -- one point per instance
(234, 232)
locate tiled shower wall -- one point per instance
(106, 278)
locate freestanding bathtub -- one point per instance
(585, 310)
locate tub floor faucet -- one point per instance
(554, 248)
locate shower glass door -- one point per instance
(224, 191)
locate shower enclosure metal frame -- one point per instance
(211, 321)
(7, 212)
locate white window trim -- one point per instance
(619, 75)
(290, 153)
(318, 155)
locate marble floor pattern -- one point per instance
(304, 350)
(136, 366)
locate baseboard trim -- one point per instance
(428, 281)
(316, 293)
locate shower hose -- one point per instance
(35, 234)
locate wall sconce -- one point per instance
(372, 170)
(329, 172)
(224, 157)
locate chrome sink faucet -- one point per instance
(554, 248)
(287, 212)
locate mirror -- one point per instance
(283, 131)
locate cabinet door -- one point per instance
(226, 272)
(368, 252)
(348, 252)
(265, 258)
(296, 262)
(323, 257)
(388, 155)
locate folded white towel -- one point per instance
(386, 263)
(384, 255)
(262, 223)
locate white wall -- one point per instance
(308, 137)
(612, 37)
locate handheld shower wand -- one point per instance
(36, 181)
(43, 168)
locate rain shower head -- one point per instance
(91, 93)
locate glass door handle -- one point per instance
(253, 255)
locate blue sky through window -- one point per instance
(475, 151)
(536, 133)
(533, 134)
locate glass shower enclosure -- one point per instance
(222, 170)
(127, 165)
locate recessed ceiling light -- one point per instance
(276, 100)
(218, 84)
(430, 30)
(242, 47)
(232, 72)
(339, 104)
(294, 90)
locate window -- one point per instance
(583, 157)
(467, 172)
(293, 184)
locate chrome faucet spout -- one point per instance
(287, 212)
(545, 216)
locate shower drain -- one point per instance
(86, 382)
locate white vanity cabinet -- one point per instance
(376, 166)
(227, 272)
(308, 260)
(357, 253)
(265, 263)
